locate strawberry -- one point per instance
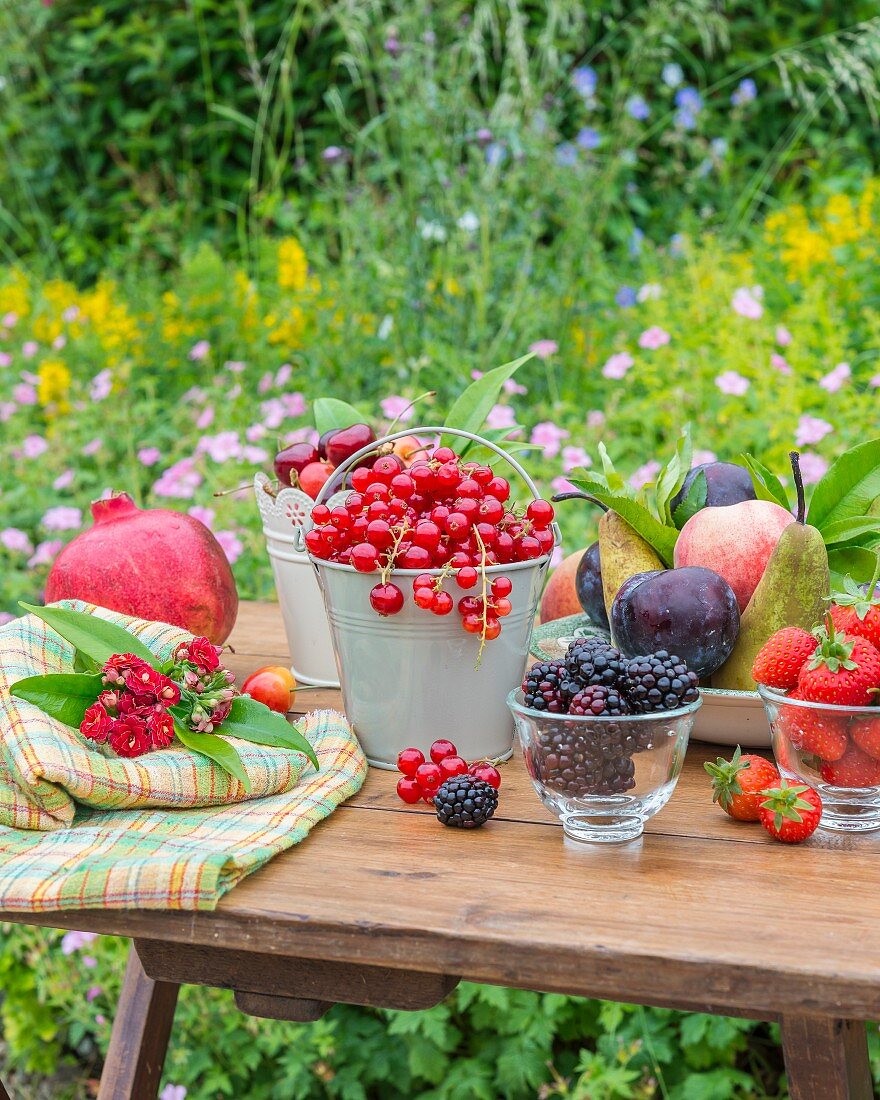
(854, 769)
(855, 612)
(844, 671)
(738, 783)
(782, 657)
(865, 732)
(812, 730)
(790, 813)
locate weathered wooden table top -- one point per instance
(701, 912)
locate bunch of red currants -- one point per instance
(422, 779)
(439, 513)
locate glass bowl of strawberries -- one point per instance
(821, 691)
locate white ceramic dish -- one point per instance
(732, 718)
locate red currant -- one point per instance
(424, 598)
(448, 476)
(441, 749)
(341, 517)
(440, 514)
(466, 577)
(482, 475)
(468, 507)
(458, 526)
(402, 486)
(487, 772)
(470, 488)
(460, 560)
(469, 605)
(378, 509)
(491, 510)
(427, 534)
(416, 557)
(316, 545)
(529, 548)
(365, 557)
(377, 490)
(423, 477)
(499, 488)
(545, 539)
(354, 502)
(472, 623)
(387, 467)
(429, 777)
(408, 789)
(386, 599)
(409, 759)
(360, 479)
(493, 628)
(501, 586)
(423, 580)
(443, 603)
(444, 454)
(379, 533)
(540, 512)
(320, 514)
(452, 765)
(502, 607)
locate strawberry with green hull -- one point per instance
(791, 813)
(844, 671)
(855, 769)
(855, 611)
(818, 732)
(781, 658)
(738, 784)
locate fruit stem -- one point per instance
(228, 492)
(484, 594)
(578, 495)
(795, 460)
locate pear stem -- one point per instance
(795, 460)
(578, 495)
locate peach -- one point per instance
(560, 596)
(735, 541)
(273, 685)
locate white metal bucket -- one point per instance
(412, 678)
(299, 595)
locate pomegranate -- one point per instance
(153, 563)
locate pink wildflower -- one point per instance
(573, 457)
(102, 385)
(653, 338)
(45, 553)
(595, 419)
(282, 375)
(231, 543)
(236, 366)
(62, 518)
(16, 541)
(24, 394)
(561, 485)
(149, 456)
(501, 416)
(202, 514)
(205, 418)
(544, 348)
(618, 365)
(199, 350)
(811, 429)
(254, 433)
(180, 480)
(6, 617)
(700, 458)
(10, 320)
(29, 349)
(783, 336)
(221, 447)
(732, 383)
(266, 383)
(747, 302)
(511, 386)
(5, 359)
(397, 408)
(645, 474)
(813, 467)
(780, 363)
(63, 481)
(59, 342)
(549, 436)
(834, 380)
(75, 941)
(92, 447)
(34, 446)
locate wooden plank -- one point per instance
(139, 1041)
(826, 1059)
(293, 1009)
(299, 978)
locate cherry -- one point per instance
(408, 789)
(540, 512)
(429, 777)
(441, 749)
(487, 772)
(386, 599)
(313, 477)
(452, 765)
(409, 759)
(443, 603)
(343, 443)
(501, 586)
(294, 459)
(365, 557)
(466, 577)
(324, 439)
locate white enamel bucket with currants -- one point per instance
(412, 677)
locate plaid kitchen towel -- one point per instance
(170, 830)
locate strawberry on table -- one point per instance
(865, 732)
(856, 612)
(820, 732)
(854, 769)
(782, 657)
(791, 812)
(844, 670)
(738, 784)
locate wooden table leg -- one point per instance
(826, 1059)
(4, 1095)
(140, 1036)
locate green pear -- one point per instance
(623, 552)
(791, 592)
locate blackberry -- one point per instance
(465, 802)
(577, 762)
(599, 663)
(543, 687)
(599, 699)
(658, 682)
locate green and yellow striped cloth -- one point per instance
(82, 828)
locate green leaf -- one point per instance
(656, 534)
(331, 413)
(767, 484)
(849, 487)
(853, 561)
(612, 478)
(215, 748)
(253, 721)
(63, 695)
(672, 476)
(844, 530)
(470, 408)
(693, 501)
(82, 663)
(93, 637)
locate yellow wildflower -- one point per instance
(293, 267)
(14, 296)
(54, 383)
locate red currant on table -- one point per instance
(487, 772)
(386, 599)
(429, 777)
(441, 749)
(408, 789)
(410, 759)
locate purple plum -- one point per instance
(588, 585)
(726, 483)
(691, 612)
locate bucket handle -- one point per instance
(342, 469)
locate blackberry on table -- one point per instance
(657, 682)
(599, 663)
(465, 802)
(599, 699)
(543, 687)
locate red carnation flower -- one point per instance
(109, 699)
(118, 666)
(130, 736)
(148, 684)
(161, 727)
(220, 712)
(204, 654)
(96, 724)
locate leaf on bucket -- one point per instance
(470, 409)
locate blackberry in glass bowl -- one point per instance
(602, 769)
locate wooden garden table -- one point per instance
(381, 906)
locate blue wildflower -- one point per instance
(637, 108)
(689, 99)
(745, 92)
(676, 244)
(566, 154)
(672, 74)
(495, 154)
(719, 147)
(625, 297)
(588, 138)
(583, 81)
(635, 242)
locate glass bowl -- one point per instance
(603, 777)
(824, 746)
